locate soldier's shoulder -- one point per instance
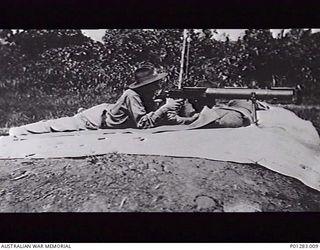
(130, 93)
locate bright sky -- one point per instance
(233, 34)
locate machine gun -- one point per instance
(200, 96)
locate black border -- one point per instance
(159, 14)
(159, 227)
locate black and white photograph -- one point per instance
(159, 120)
(159, 134)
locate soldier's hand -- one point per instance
(174, 118)
(171, 115)
(195, 116)
(173, 104)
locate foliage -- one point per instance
(128, 49)
(67, 63)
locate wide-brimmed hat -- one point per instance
(146, 75)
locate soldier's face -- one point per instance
(152, 88)
(155, 85)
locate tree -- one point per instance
(34, 42)
(5, 35)
(10, 57)
(129, 49)
(256, 53)
(66, 61)
(301, 49)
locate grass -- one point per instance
(18, 109)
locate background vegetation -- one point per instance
(51, 73)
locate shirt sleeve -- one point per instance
(175, 119)
(141, 118)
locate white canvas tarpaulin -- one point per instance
(282, 142)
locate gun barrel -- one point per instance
(246, 93)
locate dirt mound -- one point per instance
(128, 183)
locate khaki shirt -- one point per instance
(129, 112)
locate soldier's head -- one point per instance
(147, 81)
